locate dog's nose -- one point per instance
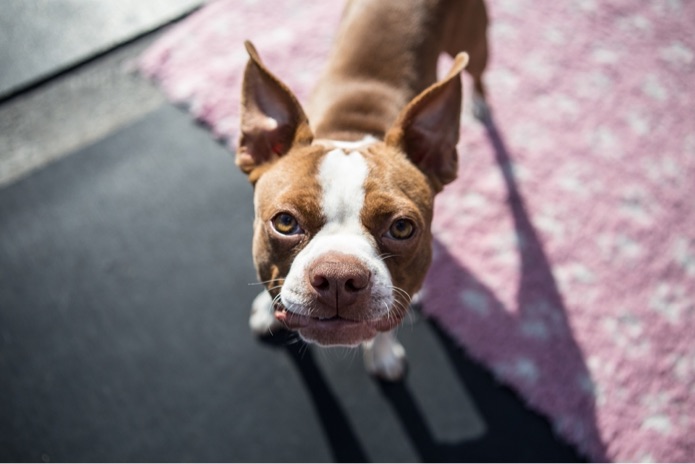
(339, 280)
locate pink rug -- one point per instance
(565, 251)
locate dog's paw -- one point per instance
(481, 110)
(262, 320)
(416, 301)
(384, 357)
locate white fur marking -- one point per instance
(342, 180)
(348, 146)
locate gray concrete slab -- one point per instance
(39, 38)
(73, 110)
(125, 285)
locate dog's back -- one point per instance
(385, 53)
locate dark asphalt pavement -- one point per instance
(125, 285)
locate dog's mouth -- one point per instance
(335, 330)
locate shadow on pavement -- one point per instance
(344, 443)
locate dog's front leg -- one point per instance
(262, 320)
(384, 357)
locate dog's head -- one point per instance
(342, 229)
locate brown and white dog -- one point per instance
(344, 192)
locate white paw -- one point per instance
(416, 300)
(384, 357)
(262, 320)
(481, 110)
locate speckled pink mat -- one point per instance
(565, 251)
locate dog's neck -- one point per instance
(367, 82)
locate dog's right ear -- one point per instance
(272, 120)
(427, 129)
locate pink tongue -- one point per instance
(293, 321)
(384, 325)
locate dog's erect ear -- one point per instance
(427, 129)
(272, 120)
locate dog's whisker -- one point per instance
(389, 311)
(263, 282)
(402, 293)
(394, 287)
(304, 349)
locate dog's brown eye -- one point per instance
(402, 229)
(286, 224)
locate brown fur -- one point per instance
(291, 187)
(400, 190)
(385, 54)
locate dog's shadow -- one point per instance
(343, 442)
(504, 439)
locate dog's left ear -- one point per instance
(427, 129)
(272, 120)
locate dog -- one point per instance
(344, 192)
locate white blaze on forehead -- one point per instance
(342, 178)
(347, 146)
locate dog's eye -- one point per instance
(286, 224)
(402, 229)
